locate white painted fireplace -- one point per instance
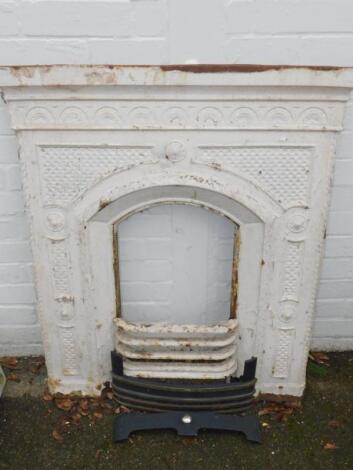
(254, 145)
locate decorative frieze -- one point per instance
(169, 114)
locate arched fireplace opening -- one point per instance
(206, 341)
(177, 264)
(176, 279)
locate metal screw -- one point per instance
(186, 419)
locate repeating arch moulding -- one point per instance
(99, 143)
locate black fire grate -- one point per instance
(222, 396)
(186, 406)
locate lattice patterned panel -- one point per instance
(283, 173)
(285, 339)
(68, 171)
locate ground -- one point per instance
(319, 435)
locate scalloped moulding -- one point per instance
(98, 143)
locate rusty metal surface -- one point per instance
(177, 351)
(117, 74)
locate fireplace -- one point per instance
(254, 146)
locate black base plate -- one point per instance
(185, 423)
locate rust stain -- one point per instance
(242, 68)
(116, 272)
(103, 203)
(235, 277)
(291, 400)
(53, 383)
(20, 71)
(105, 73)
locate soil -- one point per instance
(319, 435)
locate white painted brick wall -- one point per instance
(176, 265)
(174, 31)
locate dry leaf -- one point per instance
(36, 365)
(320, 358)
(98, 453)
(47, 396)
(13, 378)
(98, 415)
(124, 409)
(84, 404)
(330, 445)
(334, 424)
(65, 404)
(76, 417)
(56, 435)
(9, 362)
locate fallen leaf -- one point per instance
(98, 415)
(84, 404)
(334, 424)
(13, 378)
(65, 404)
(330, 445)
(98, 453)
(47, 396)
(56, 435)
(281, 411)
(107, 406)
(320, 358)
(76, 417)
(36, 365)
(124, 409)
(9, 362)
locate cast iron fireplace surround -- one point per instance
(99, 143)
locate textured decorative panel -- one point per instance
(68, 171)
(60, 269)
(292, 271)
(284, 352)
(69, 357)
(282, 172)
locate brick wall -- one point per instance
(174, 31)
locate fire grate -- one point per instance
(186, 406)
(161, 395)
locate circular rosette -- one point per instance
(55, 223)
(296, 222)
(175, 151)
